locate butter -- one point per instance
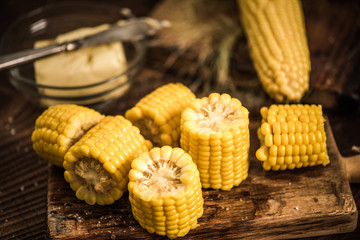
(89, 65)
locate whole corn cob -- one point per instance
(292, 136)
(97, 166)
(215, 132)
(276, 35)
(165, 191)
(59, 127)
(157, 115)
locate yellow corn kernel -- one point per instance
(215, 132)
(101, 173)
(59, 127)
(157, 115)
(165, 191)
(295, 143)
(278, 46)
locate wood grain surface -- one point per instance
(276, 205)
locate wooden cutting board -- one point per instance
(267, 205)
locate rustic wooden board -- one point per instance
(270, 205)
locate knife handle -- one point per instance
(351, 164)
(18, 58)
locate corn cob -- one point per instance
(59, 127)
(97, 166)
(292, 136)
(165, 192)
(157, 115)
(276, 35)
(215, 132)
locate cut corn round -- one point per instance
(59, 127)
(165, 191)
(278, 45)
(97, 166)
(215, 132)
(307, 147)
(157, 115)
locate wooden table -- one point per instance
(24, 176)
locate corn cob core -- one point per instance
(97, 165)
(157, 115)
(215, 132)
(59, 127)
(165, 191)
(276, 36)
(292, 136)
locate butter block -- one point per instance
(89, 65)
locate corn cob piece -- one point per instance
(157, 115)
(292, 136)
(59, 127)
(97, 166)
(215, 132)
(165, 192)
(277, 40)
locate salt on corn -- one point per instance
(292, 136)
(165, 192)
(97, 165)
(215, 132)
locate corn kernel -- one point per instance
(265, 128)
(273, 151)
(284, 139)
(269, 140)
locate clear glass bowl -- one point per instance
(48, 22)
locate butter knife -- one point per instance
(134, 29)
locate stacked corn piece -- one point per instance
(165, 192)
(157, 115)
(59, 127)
(215, 132)
(292, 136)
(276, 35)
(97, 165)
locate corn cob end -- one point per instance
(165, 192)
(97, 165)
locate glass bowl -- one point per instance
(47, 23)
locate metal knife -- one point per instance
(131, 30)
